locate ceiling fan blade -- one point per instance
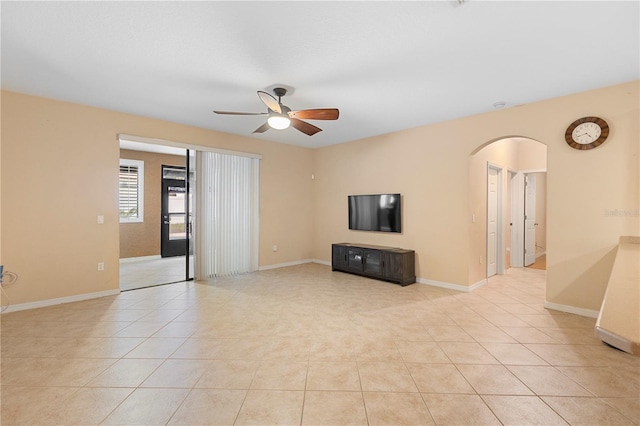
(271, 102)
(262, 128)
(305, 127)
(240, 113)
(316, 114)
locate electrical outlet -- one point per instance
(274, 248)
(100, 219)
(100, 266)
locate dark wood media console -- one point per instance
(384, 263)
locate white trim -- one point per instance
(154, 141)
(542, 253)
(528, 171)
(481, 283)
(60, 300)
(321, 262)
(284, 265)
(572, 310)
(140, 258)
(449, 286)
(500, 252)
(614, 340)
(516, 185)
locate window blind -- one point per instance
(131, 190)
(128, 196)
(227, 217)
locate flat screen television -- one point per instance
(378, 212)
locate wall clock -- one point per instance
(587, 133)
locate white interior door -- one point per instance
(530, 220)
(517, 220)
(492, 221)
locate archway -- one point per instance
(498, 172)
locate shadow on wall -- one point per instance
(591, 284)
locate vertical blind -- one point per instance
(128, 194)
(227, 216)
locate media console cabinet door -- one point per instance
(339, 257)
(394, 266)
(373, 262)
(355, 259)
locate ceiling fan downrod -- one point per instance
(280, 92)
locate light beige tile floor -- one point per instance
(304, 345)
(140, 272)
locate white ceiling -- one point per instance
(386, 65)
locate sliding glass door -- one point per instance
(158, 249)
(190, 210)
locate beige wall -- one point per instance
(60, 170)
(143, 238)
(430, 167)
(55, 248)
(416, 163)
(509, 154)
(541, 213)
(582, 187)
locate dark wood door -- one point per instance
(394, 266)
(174, 223)
(338, 257)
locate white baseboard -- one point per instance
(540, 254)
(321, 262)
(449, 286)
(614, 340)
(284, 265)
(60, 300)
(572, 310)
(479, 284)
(140, 259)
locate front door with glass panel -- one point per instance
(174, 223)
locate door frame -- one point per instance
(517, 215)
(529, 204)
(499, 221)
(168, 247)
(517, 219)
(173, 267)
(193, 165)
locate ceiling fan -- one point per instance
(281, 116)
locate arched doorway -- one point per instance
(507, 205)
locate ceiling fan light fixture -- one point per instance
(281, 117)
(278, 122)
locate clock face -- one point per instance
(586, 133)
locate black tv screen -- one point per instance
(379, 212)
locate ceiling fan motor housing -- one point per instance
(280, 91)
